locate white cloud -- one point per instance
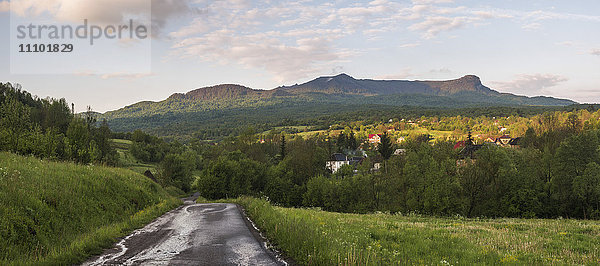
(534, 84)
(432, 1)
(410, 45)
(304, 57)
(532, 26)
(121, 75)
(104, 11)
(539, 15)
(566, 43)
(402, 74)
(4, 6)
(432, 26)
(595, 52)
(443, 70)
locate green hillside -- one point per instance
(191, 120)
(212, 113)
(61, 213)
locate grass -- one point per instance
(61, 213)
(314, 237)
(126, 159)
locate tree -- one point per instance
(77, 141)
(385, 147)
(572, 159)
(177, 171)
(587, 189)
(282, 147)
(15, 121)
(351, 141)
(341, 142)
(573, 123)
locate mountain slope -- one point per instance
(345, 84)
(217, 109)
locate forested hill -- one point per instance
(220, 108)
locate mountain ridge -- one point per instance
(217, 111)
(344, 84)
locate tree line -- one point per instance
(554, 173)
(48, 128)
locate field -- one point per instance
(61, 213)
(314, 237)
(126, 160)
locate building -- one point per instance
(504, 140)
(374, 138)
(338, 160)
(400, 152)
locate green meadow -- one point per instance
(314, 237)
(62, 213)
(127, 160)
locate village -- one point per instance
(465, 148)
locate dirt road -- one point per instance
(194, 234)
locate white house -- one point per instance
(338, 160)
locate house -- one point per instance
(374, 138)
(338, 160)
(514, 142)
(400, 140)
(466, 150)
(459, 144)
(504, 140)
(376, 167)
(400, 152)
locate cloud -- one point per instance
(421, 2)
(595, 52)
(304, 57)
(4, 6)
(104, 11)
(121, 75)
(532, 26)
(443, 70)
(432, 26)
(539, 15)
(534, 84)
(410, 45)
(402, 74)
(566, 43)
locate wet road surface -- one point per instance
(194, 234)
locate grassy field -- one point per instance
(61, 213)
(126, 160)
(313, 237)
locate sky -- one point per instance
(535, 47)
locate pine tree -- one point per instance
(385, 147)
(282, 147)
(352, 143)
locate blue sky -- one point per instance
(542, 47)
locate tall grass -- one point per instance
(314, 237)
(61, 213)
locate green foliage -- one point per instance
(314, 237)
(47, 129)
(185, 119)
(176, 170)
(231, 175)
(385, 147)
(60, 213)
